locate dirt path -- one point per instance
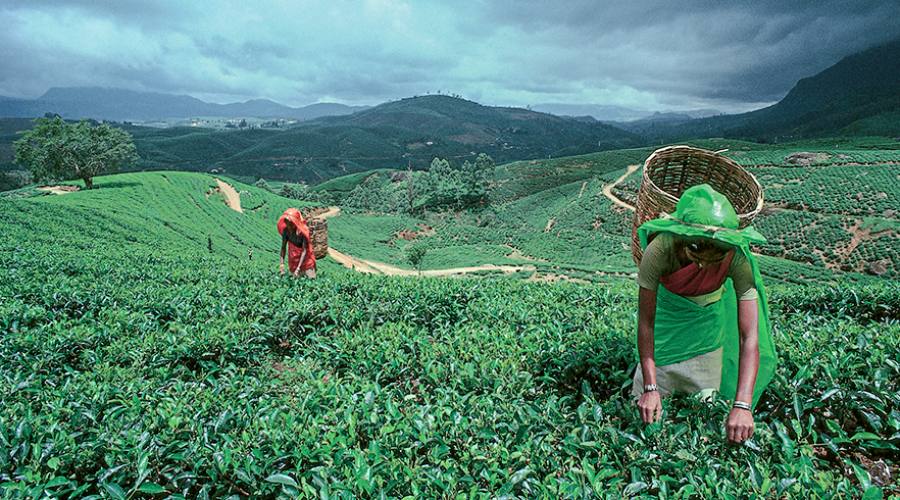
(607, 189)
(372, 267)
(59, 189)
(232, 197)
(331, 212)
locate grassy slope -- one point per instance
(160, 209)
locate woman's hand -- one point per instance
(650, 405)
(739, 427)
(281, 269)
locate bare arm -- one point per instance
(646, 320)
(283, 247)
(304, 244)
(649, 404)
(300, 262)
(740, 422)
(748, 323)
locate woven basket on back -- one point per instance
(669, 171)
(318, 229)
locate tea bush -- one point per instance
(135, 363)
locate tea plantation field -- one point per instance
(826, 222)
(137, 362)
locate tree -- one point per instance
(262, 184)
(295, 191)
(475, 180)
(55, 150)
(415, 254)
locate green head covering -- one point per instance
(702, 212)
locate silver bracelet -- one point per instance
(650, 388)
(742, 405)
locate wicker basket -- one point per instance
(669, 171)
(318, 229)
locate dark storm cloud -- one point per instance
(744, 51)
(647, 55)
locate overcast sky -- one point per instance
(647, 55)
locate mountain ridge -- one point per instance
(116, 104)
(858, 87)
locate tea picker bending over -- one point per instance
(295, 238)
(703, 322)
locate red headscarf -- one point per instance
(296, 218)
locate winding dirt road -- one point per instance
(373, 267)
(607, 189)
(331, 212)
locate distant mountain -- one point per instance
(414, 131)
(859, 94)
(615, 114)
(600, 112)
(397, 134)
(649, 124)
(455, 120)
(129, 105)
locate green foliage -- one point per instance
(262, 184)
(415, 254)
(133, 362)
(380, 192)
(442, 187)
(207, 375)
(54, 150)
(302, 192)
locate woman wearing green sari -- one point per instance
(703, 320)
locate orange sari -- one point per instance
(295, 252)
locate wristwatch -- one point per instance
(651, 388)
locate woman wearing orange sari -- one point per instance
(295, 238)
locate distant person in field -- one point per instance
(295, 238)
(703, 322)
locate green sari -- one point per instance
(684, 329)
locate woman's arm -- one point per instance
(303, 245)
(650, 403)
(300, 263)
(283, 247)
(740, 422)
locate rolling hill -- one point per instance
(396, 134)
